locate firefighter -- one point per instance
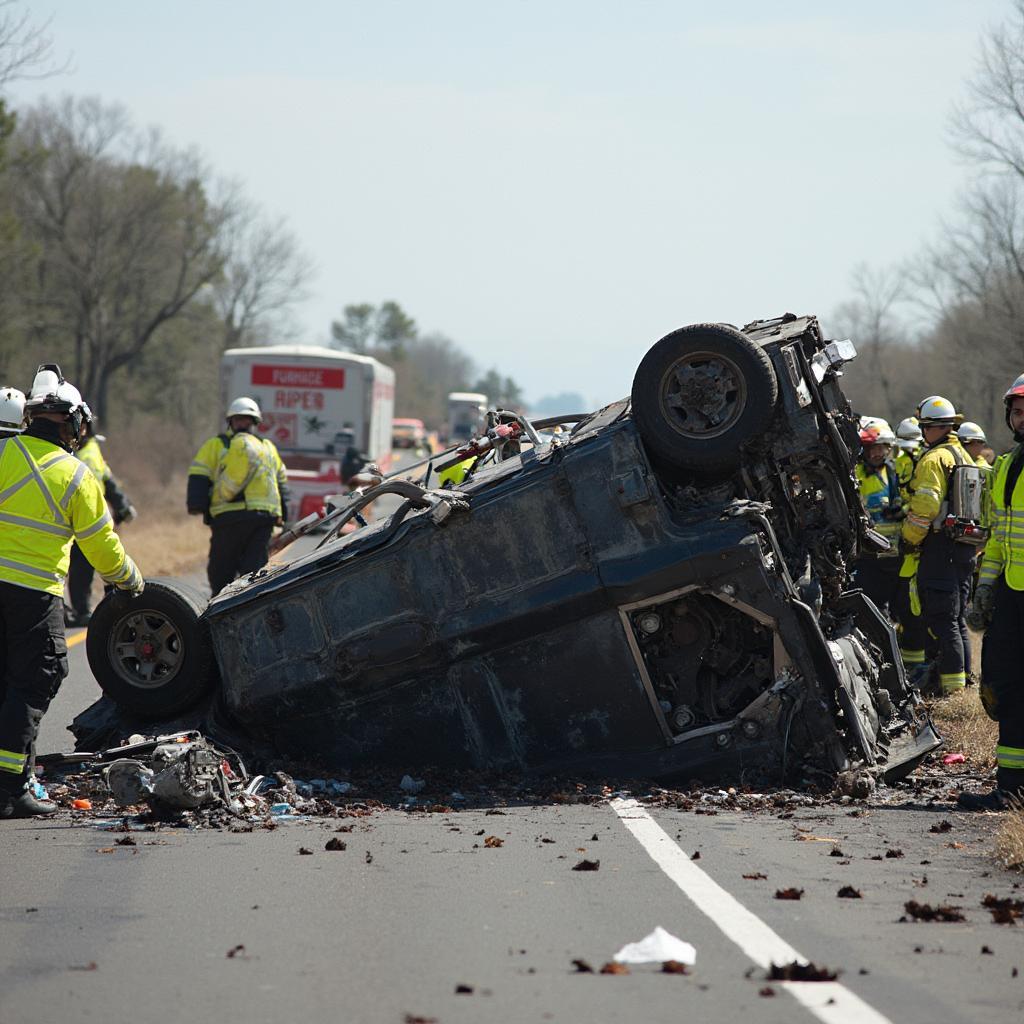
(12, 412)
(999, 600)
(908, 441)
(47, 500)
(972, 437)
(939, 568)
(878, 575)
(237, 483)
(80, 575)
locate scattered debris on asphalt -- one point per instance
(674, 967)
(892, 854)
(582, 967)
(942, 826)
(797, 971)
(789, 894)
(757, 876)
(926, 912)
(305, 851)
(1004, 910)
(766, 992)
(336, 844)
(587, 865)
(463, 989)
(847, 892)
(493, 842)
(613, 967)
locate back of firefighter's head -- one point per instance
(936, 418)
(1014, 402)
(243, 414)
(53, 398)
(972, 437)
(876, 441)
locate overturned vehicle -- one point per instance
(658, 591)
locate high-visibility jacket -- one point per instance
(880, 492)
(930, 485)
(48, 499)
(91, 455)
(1004, 552)
(905, 464)
(244, 472)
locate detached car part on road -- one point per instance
(660, 592)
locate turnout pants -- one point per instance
(33, 664)
(944, 610)
(239, 544)
(80, 577)
(1002, 666)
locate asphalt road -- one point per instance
(418, 905)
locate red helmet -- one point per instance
(1015, 390)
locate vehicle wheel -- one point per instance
(700, 393)
(151, 654)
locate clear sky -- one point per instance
(555, 184)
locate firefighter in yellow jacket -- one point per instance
(237, 482)
(999, 600)
(80, 575)
(879, 486)
(47, 500)
(941, 568)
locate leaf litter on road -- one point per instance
(791, 893)
(926, 912)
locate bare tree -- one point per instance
(988, 127)
(265, 274)
(870, 319)
(26, 49)
(128, 232)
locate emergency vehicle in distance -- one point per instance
(316, 403)
(466, 414)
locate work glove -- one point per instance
(129, 514)
(979, 615)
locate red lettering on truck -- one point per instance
(299, 376)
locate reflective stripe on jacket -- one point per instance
(1004, 552)
(880, 492)
(247, 473)
(47, 499)
(930, 484)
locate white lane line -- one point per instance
(829, 1001)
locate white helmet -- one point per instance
(908, 434)
(52, 393)
(244, 407)
(970, 432)
(12, 410)
(937, 411)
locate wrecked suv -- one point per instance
(659, 592)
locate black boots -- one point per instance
(24, 805)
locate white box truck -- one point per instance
(467, 412)
(312, 398)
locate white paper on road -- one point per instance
(831, 1002)
(656, 948)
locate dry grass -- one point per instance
(966, 728)
(163, 544)
(1010, 839)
